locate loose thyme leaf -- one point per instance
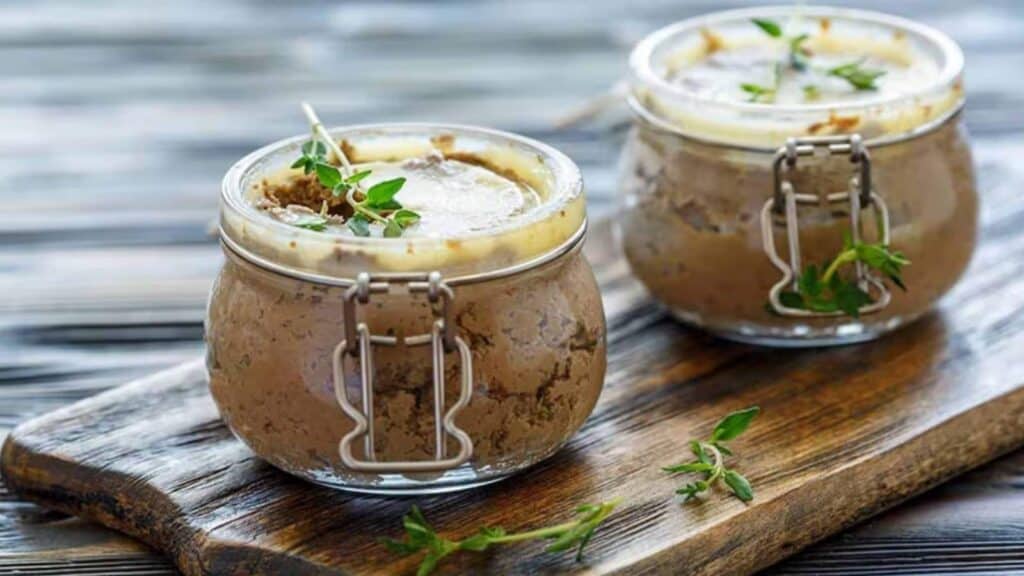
(859, 78)
(770, 27)
(798, 55)
(734, 424)
(756, 91)
(316, 226)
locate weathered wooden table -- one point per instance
(119, 119)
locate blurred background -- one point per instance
(118, 119)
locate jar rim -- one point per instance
(643, 67)
(237, 211)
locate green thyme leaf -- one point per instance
(849, 298)
(359, 225)
(734, 424)
(791, 299)
(312, 153)
(482, 540)
(810, 282)
(405, 217)
(381, 195)
(798, 55)
(770, 27)
(811, 92)
(739, 485)
(392, 229)
(358, 176)
(329, 176)
(314, 226)
(314, 149)
(884, 260)
(858, 77)
(698, 450)
(691, 490)
(757, 92)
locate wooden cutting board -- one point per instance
(844, 433)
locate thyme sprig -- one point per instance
(824, 290)
(710, 458)
(377, 204)
(421, 537)
(799, 58)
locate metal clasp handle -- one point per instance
(358, 342)
(785, 201)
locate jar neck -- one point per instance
(571, 246)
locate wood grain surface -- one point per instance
(845, 433)
(119, 119)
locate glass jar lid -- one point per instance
(923, 89)
(553, 222)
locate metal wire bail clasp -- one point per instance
(358, 342)
(785, 201)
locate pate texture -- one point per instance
(692, 232)
(538, 352)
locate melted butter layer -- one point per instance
(719, 74)
(453, 198)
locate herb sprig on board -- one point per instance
(710, 459)
(799, 58)
(823, 290)
(377, 204)
(421, 537)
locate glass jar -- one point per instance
(726, 202)
(410, 364)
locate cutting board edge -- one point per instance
(197, 552)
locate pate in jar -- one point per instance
(436, 353)
(797, 176)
